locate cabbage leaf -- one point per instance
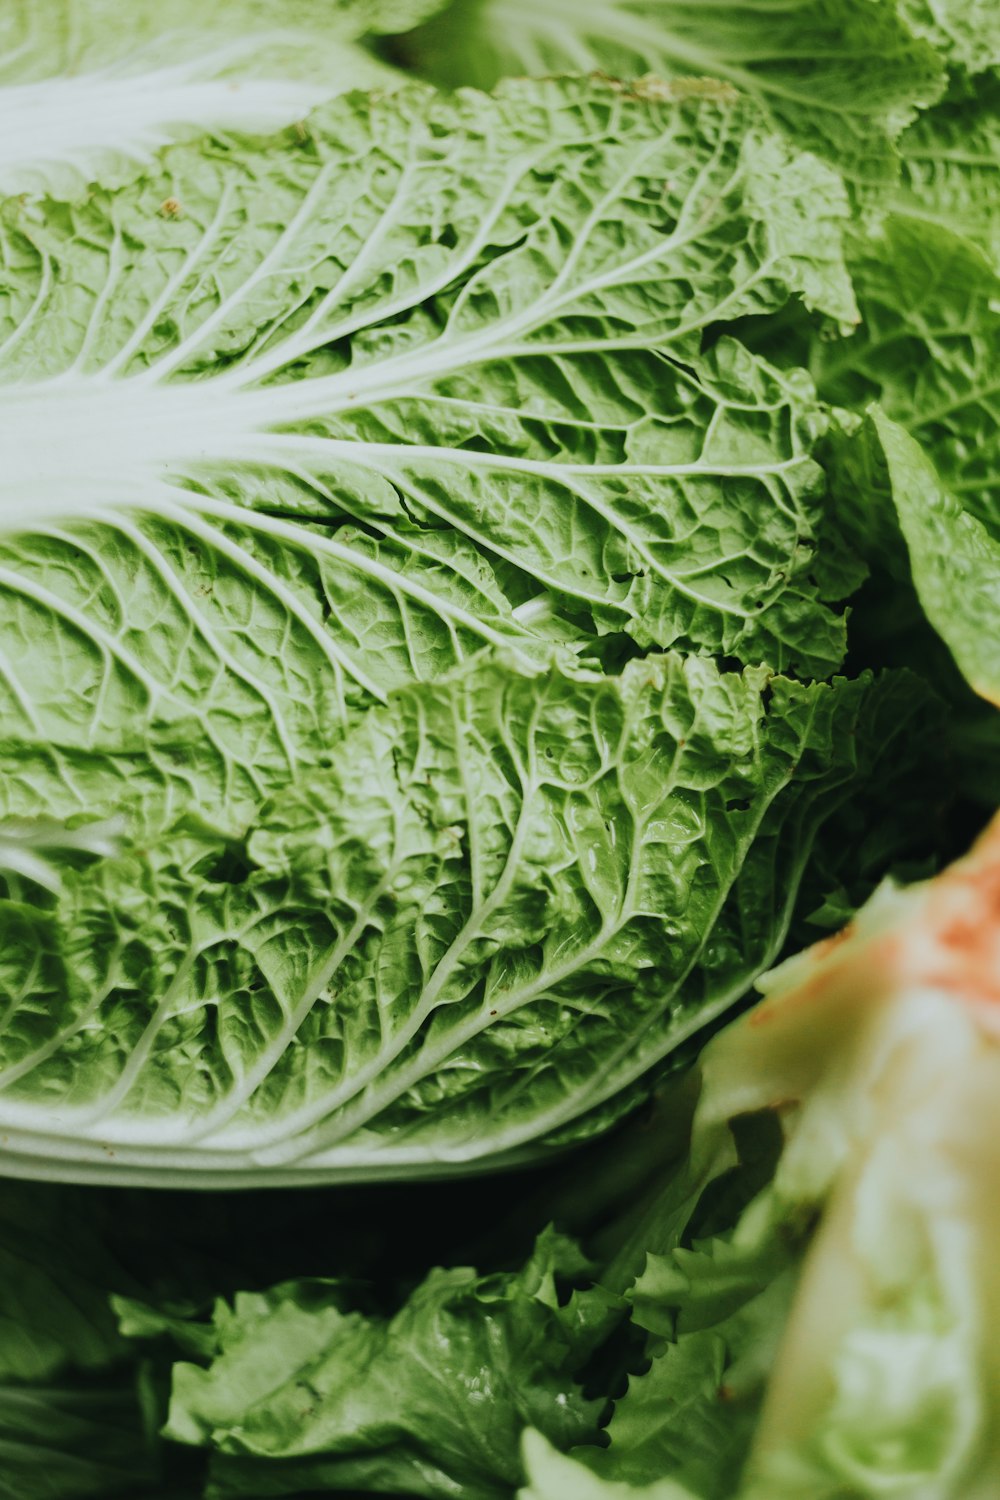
(950, 162)
(843, 77)
(91, 90)
(498, 902)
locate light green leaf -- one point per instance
(437, 400)
(449, 394)
(90, 90)
(965, 32)
(553, 1476)
(503, 898)
(434, 392)
(459, 332)
(843, 77)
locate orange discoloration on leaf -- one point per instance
(948, 938)
(961, 924)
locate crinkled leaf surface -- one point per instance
(842, 76)
(921, 497)
(951, 164)
(718, 1311)
(302, 1393)
(336, 415)
(965, 32)
(927, 353)
(499, 901)
(921, 488)
(427, 345)
(425, 380)
(91, 89)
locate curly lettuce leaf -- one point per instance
(301, 1392)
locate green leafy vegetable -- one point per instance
(429, 537)
(303, 1393)
(90, 90)
(843, 77)
(950, 159)
(504, 899)
(462, 343)
(455, 409)
(926, 509)
(919, 486)
(554, 1477)
(926, 352)
(834, 1339)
